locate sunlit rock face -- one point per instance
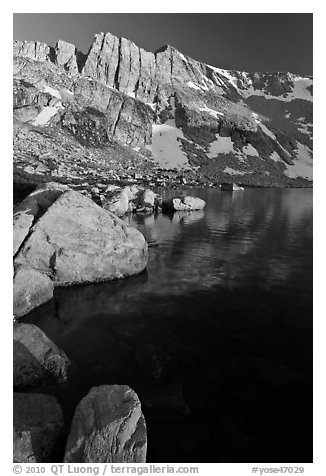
(63, 238)
(179, 113)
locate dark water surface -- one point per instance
(216, 335)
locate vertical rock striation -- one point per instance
(32, 49)
(259, 125)
(102, 59)
(65, 57)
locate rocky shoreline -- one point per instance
(63, 238)
(96, 137)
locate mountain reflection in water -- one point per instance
(215, 336)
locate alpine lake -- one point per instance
(215, 336)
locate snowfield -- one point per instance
(52, 91)
(166, 148)
(222, 145)
(210, 111)
(230, 171)
(302, 166)
(46, 114)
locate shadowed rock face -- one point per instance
(108, 427)
(38, 428)
(228, 126)
(37, 360)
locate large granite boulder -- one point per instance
(186, 203)
(31, 289)
(37, 360)
(108, 427)
(132, 198)
(38, 428)
(75, 241)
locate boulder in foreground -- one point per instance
(108, 427)
(38, 428)
(75, 241)
(31, 289)
(186, 203)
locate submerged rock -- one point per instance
(76, 241)
(37, 360)
(183, 203)
(108, 427)
(38, 428)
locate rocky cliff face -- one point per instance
(253, 128)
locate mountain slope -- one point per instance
(164, 111)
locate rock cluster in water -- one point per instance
(62, 237)
(185, 203)
(231, 187)
(131, 199)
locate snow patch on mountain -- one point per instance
(210, 111)
(192, 85)
(275, 156)
(62, 93)
(304, 128)
(46, 114)
(269, 133)
(204, 85)
(52, 91)
(263, 127)
(250, 150)
(199, 87)
(224, 72)
(183, 57)
(302, 166)
(230, 171)
(300, 90)
(222, 145)
(266, 131)
(166, 146)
